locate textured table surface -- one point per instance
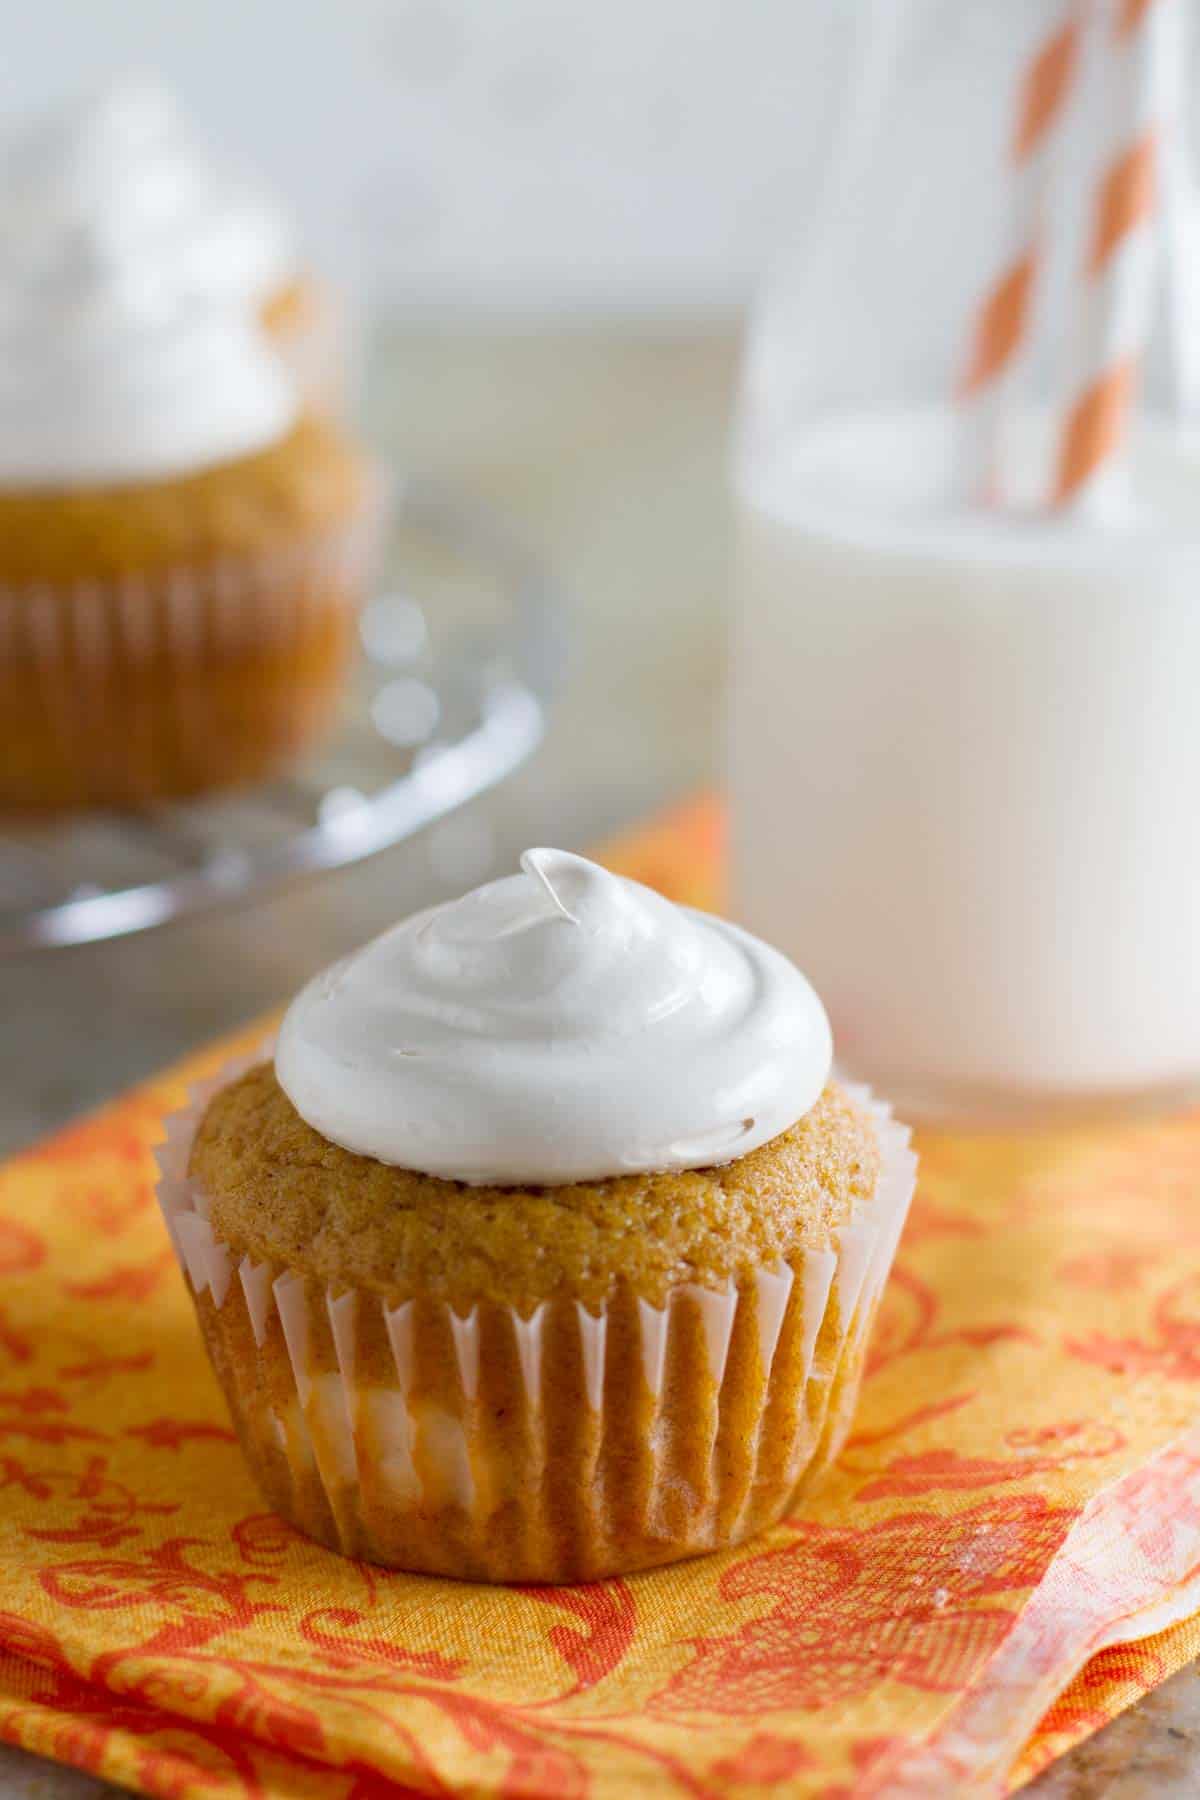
(609, 449)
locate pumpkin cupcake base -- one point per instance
(160, 641)
(566, 1442)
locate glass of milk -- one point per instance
(964, 747)
(965, 768)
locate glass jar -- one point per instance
(964, 750)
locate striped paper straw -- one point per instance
(1144, 51)
(1002, 324)
(1181, 251)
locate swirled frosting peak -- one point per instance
(558, 1025)
(128, 351)
(120, 166)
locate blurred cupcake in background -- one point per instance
(123, 168)
(182, 544)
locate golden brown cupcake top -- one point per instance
(309, 483)
(280, 1192)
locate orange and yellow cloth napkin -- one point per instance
(1020, 1500)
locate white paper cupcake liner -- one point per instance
(176, 614)
(119, 686)
(571, 1443)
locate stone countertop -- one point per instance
(608, 448)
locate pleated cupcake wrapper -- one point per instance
(124, 690)
(176, 617)
(505, 1445)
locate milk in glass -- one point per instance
(964, 761)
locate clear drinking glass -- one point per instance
(964, 754)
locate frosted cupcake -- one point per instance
(122, 168)
(546, 1249)
(181, 549)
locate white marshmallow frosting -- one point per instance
(130, 275)
(555, 1026)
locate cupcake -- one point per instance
(122, 167)
(546, 1249)
(181, 547)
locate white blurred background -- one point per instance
(541, 158)
(509, 155)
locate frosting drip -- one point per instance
(559, 1025)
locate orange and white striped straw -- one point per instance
(1001, 328)
(1144, 50)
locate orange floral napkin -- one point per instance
(1007, 1554)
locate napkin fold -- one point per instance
(1007, 1553)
